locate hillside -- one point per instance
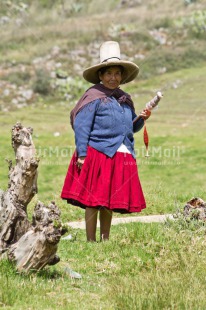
(44, 47)
(42, 40)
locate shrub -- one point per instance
(195, 24)
(19, 78)
(42, 83)
(188, 2)
(71, 88)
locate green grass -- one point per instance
(170, 176)
(143, 266)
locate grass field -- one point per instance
(143, 266)
(170, 176)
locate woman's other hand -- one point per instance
(80, 161)
(145, 114)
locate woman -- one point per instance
(102, 174)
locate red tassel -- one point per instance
(146, 140)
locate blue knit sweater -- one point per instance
(105, 125)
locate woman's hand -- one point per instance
(80, 161)
(145, 114)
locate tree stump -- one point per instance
(30, 245)
(195, 209)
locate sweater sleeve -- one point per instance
(83, 125)
(138, 124)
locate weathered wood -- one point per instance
(38, 246)
(30, 245)
(195, 209)
(22, 187)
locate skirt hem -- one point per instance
(116, 207)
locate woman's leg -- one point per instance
(105, 223)
(91, 223)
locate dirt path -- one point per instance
(129, 219)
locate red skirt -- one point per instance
(104, 182)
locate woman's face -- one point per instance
(112, 77)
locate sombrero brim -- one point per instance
(131, 70)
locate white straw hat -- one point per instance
(110, 56)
